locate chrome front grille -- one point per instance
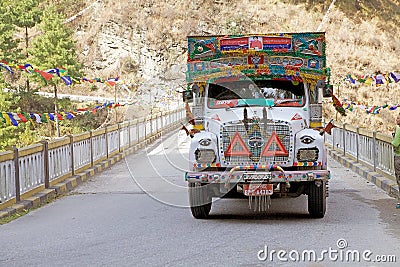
(256, 136)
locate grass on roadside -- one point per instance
(14, 216)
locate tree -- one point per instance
(24, 14)
(55, 48)
(9, 50)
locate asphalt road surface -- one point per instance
(135, 214)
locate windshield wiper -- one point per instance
(246, 105)
(241, 105)
(278, 102)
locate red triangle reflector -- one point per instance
(296, 117)
(282, 150)
(237, 139)
(216, 117)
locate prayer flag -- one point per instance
(45, 75)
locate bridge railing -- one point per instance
(30, 169)
(369, 147)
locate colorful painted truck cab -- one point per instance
(257, 115)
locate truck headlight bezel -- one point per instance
(309, 154)
(205, 156)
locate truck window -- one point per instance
(283, 93)
(222, 92)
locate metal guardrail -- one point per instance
(44, 164)
(365, 146)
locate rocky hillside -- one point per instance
(145, 40)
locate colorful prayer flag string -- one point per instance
(60, 72)
(369, 109)
(377, 79)
(12, 118)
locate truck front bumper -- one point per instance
(257, 176)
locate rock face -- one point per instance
(123, 41)
(113, 48)
(116, 44)
(144, 41)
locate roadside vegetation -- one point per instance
(33, 32)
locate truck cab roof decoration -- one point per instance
(293, 56)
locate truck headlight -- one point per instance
(307, 154)
(205, 156)
(205, 141)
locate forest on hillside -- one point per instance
(34, 38)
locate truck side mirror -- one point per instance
(187, 96)
(320, 84)
(328, 90)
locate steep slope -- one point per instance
(145, 41)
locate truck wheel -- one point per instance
(317, 200)
(200, 200)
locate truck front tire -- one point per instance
(200, 200)
(317, 199)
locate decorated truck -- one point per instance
(256, 112)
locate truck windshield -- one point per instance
(256, 93)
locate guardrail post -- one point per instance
(158, 126)
(151, 125)
(158, 122)
(91, 148)
(333, 137)
(106, 133)
(46, 163)
(71, 147)
(357, 143)
(16, 170)
(162, 122)
(374, 148)
(344, 139)
(119, 137)
(145, 129)
(129, 134)
(137, 131)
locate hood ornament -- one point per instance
(245, 119)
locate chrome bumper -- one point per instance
(259, 176)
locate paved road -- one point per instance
(134, 215)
